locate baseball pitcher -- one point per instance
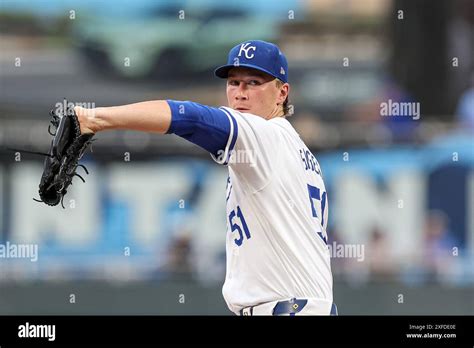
(278, 262)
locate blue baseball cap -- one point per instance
(259, 55)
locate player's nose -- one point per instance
(241, 96)
(241, 93)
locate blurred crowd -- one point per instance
(441, 259)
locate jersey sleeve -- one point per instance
(254, 156)
(210, 128)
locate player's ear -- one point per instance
(284, 91)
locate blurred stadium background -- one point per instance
(145, 234)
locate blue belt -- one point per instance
(291, 307)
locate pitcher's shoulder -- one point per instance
(283, 124)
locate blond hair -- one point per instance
(286, 107)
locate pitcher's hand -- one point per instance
(86, 119)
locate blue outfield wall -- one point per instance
(124, 220)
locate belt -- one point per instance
(288, 307)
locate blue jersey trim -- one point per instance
(234, 131)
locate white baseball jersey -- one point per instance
(277, 213)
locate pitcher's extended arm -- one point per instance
(148, 116)
(211, 128)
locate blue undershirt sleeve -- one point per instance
(210, 128)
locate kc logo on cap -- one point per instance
(259, 55)
(245, 47)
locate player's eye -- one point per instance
(233, 82)
(254, 83)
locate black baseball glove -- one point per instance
(67, 148)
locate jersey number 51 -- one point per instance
(236, 227)
(314, 193)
